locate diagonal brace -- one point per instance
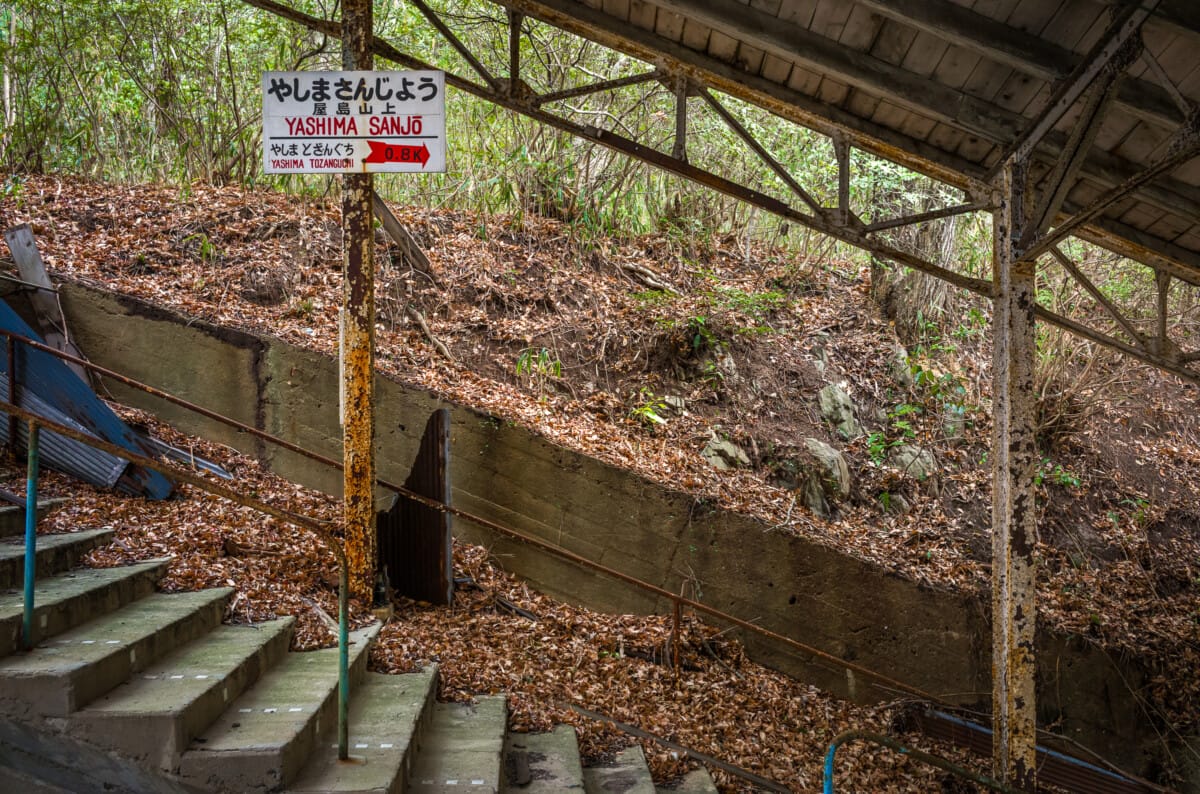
(1184, 145)
(1113, 49)
(1062, 177)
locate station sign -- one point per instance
(354, 122)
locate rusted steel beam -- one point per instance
(1160, 74)
(740, 130)
(925, 217)
(1079, 276)
(1163, 283)
(1113, 51)
(515, 20)
(1017, 49)
(1014, 514)
(358, 335)
(454, 42)
(1173, 364)
(679, 148)
(841, 150)
(593, 88)
(1184, 145)
(1062, 177)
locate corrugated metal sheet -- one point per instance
(63, 454)
(57, 387)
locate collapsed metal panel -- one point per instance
(63, 454)
(38, 372)
(413, 539)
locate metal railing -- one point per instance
(889, 742)
(884, 683)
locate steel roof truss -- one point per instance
(1184, 145)
(1061, 178)
(823, 221)
(757, 148)
(1116, 50)
(1018, 50)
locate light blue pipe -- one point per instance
(344, 662)
(30, 536)
(932, 760)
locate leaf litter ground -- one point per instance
(742, 340)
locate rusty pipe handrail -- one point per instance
(878, 680)
(888, 684)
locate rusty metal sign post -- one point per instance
(358, 333)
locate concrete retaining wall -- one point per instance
(937, 641)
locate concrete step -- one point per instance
(67, 672)
(698, 781)
(388, 716)
(12, 517)
(463, 748)
(628, 774)
(542, 763)
(55, 554)
(264, 738)
(152, 718)
(70, 599)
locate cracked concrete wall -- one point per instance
(934, 640)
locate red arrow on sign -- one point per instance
(396, 153)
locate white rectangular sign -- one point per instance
(354, 122)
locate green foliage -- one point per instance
(756, 305)
(539, 368)
(204, 247)
(648, 409)
(1056, 474)
(302, 309)
(899, 431)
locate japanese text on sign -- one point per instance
(354, 122)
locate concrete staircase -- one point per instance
(129, 689)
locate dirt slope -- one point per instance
(640, 352)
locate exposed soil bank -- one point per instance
(935, 640)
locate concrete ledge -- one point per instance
(937, 641)
(12, 517)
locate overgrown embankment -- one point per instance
(703, 367)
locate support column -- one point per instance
(358, 334)
(1014, 515)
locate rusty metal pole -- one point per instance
(358, 334)
(1014, 517)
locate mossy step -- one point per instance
(265, 737)
(542, 763)
(12, 517)
(627, 774)
(388, 716)
(69, 671)
(154, 716)
(55, 554)
(70, 599)
(698, 781)
(463, 748)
